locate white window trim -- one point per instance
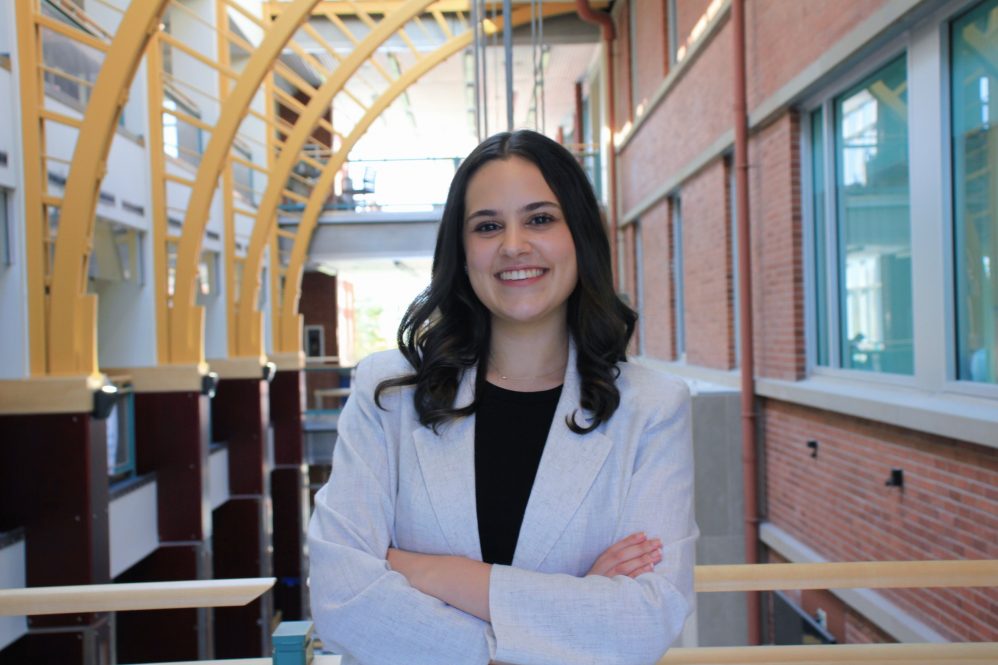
(926, 46)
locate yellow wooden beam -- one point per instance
(249, 341)
(186, 337)
(288, 336)
(348, 8)
(847, 575)
(961, 653)
(197, 55)
(29, 56)
(132, 596)
(73, 312)
(157, 201)
(72, 33)
(227, 185)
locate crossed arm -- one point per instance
(464, 583)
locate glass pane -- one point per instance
(874, 234)
(4, 230)
(677, 277)
(820, 236)
(975, 191)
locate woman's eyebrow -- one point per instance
(530, 207)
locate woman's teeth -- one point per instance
(514, 275)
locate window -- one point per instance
(639, 285)
(733, 224)
(180, 139)
(678, 299)
(5, 251)
(673, 32)
(973, 52)
(315, 341)
(861, 225)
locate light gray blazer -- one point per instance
(396, 483)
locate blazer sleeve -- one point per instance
(549, 619)
(360, 607)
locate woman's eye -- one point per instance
(486, 227)
(540, 220)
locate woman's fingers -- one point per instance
(630, 556)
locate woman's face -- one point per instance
(520, 253)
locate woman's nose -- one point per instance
(514, 242)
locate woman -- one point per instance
(507, 488)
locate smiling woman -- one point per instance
(507, 487)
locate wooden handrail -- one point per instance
(137, 596)
(848, 575)
(855, 654)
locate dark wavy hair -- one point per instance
(447, 330)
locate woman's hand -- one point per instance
(634, 555)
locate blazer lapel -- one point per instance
(568, 468)
(447, 464)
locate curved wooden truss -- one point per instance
(63, 329)
(67, 316)
(287, 327)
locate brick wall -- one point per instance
(656, 244)
(838, 504)
(318, 305)
(707, 269)
(650, 47)
(858, 630)
(695, 113)
(624, 110)
(806, 30)
(777, 270)
(688, 13)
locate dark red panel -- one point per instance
(239, 415)
(289, 497)
(171, 439)
(178, 633)
(240, 548)
(287, 401)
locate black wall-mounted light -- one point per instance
(104, 400)
(269, 371)
(209, 384)
(896, 479)
(813, 445)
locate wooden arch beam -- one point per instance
(186, 320)
(287, 337)
(249, 330)
(72, 320)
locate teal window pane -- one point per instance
(4, 231)
(974, 44)
(874, 234)
(821, 324)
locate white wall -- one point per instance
(13, 279)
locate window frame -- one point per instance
(6, 236)
(928, 60)
(678, 283)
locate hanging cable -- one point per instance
(507, 45)
(476, 41)
(544, 51)
(533, 62)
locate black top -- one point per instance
(510, 430)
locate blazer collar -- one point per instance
(567, 470)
